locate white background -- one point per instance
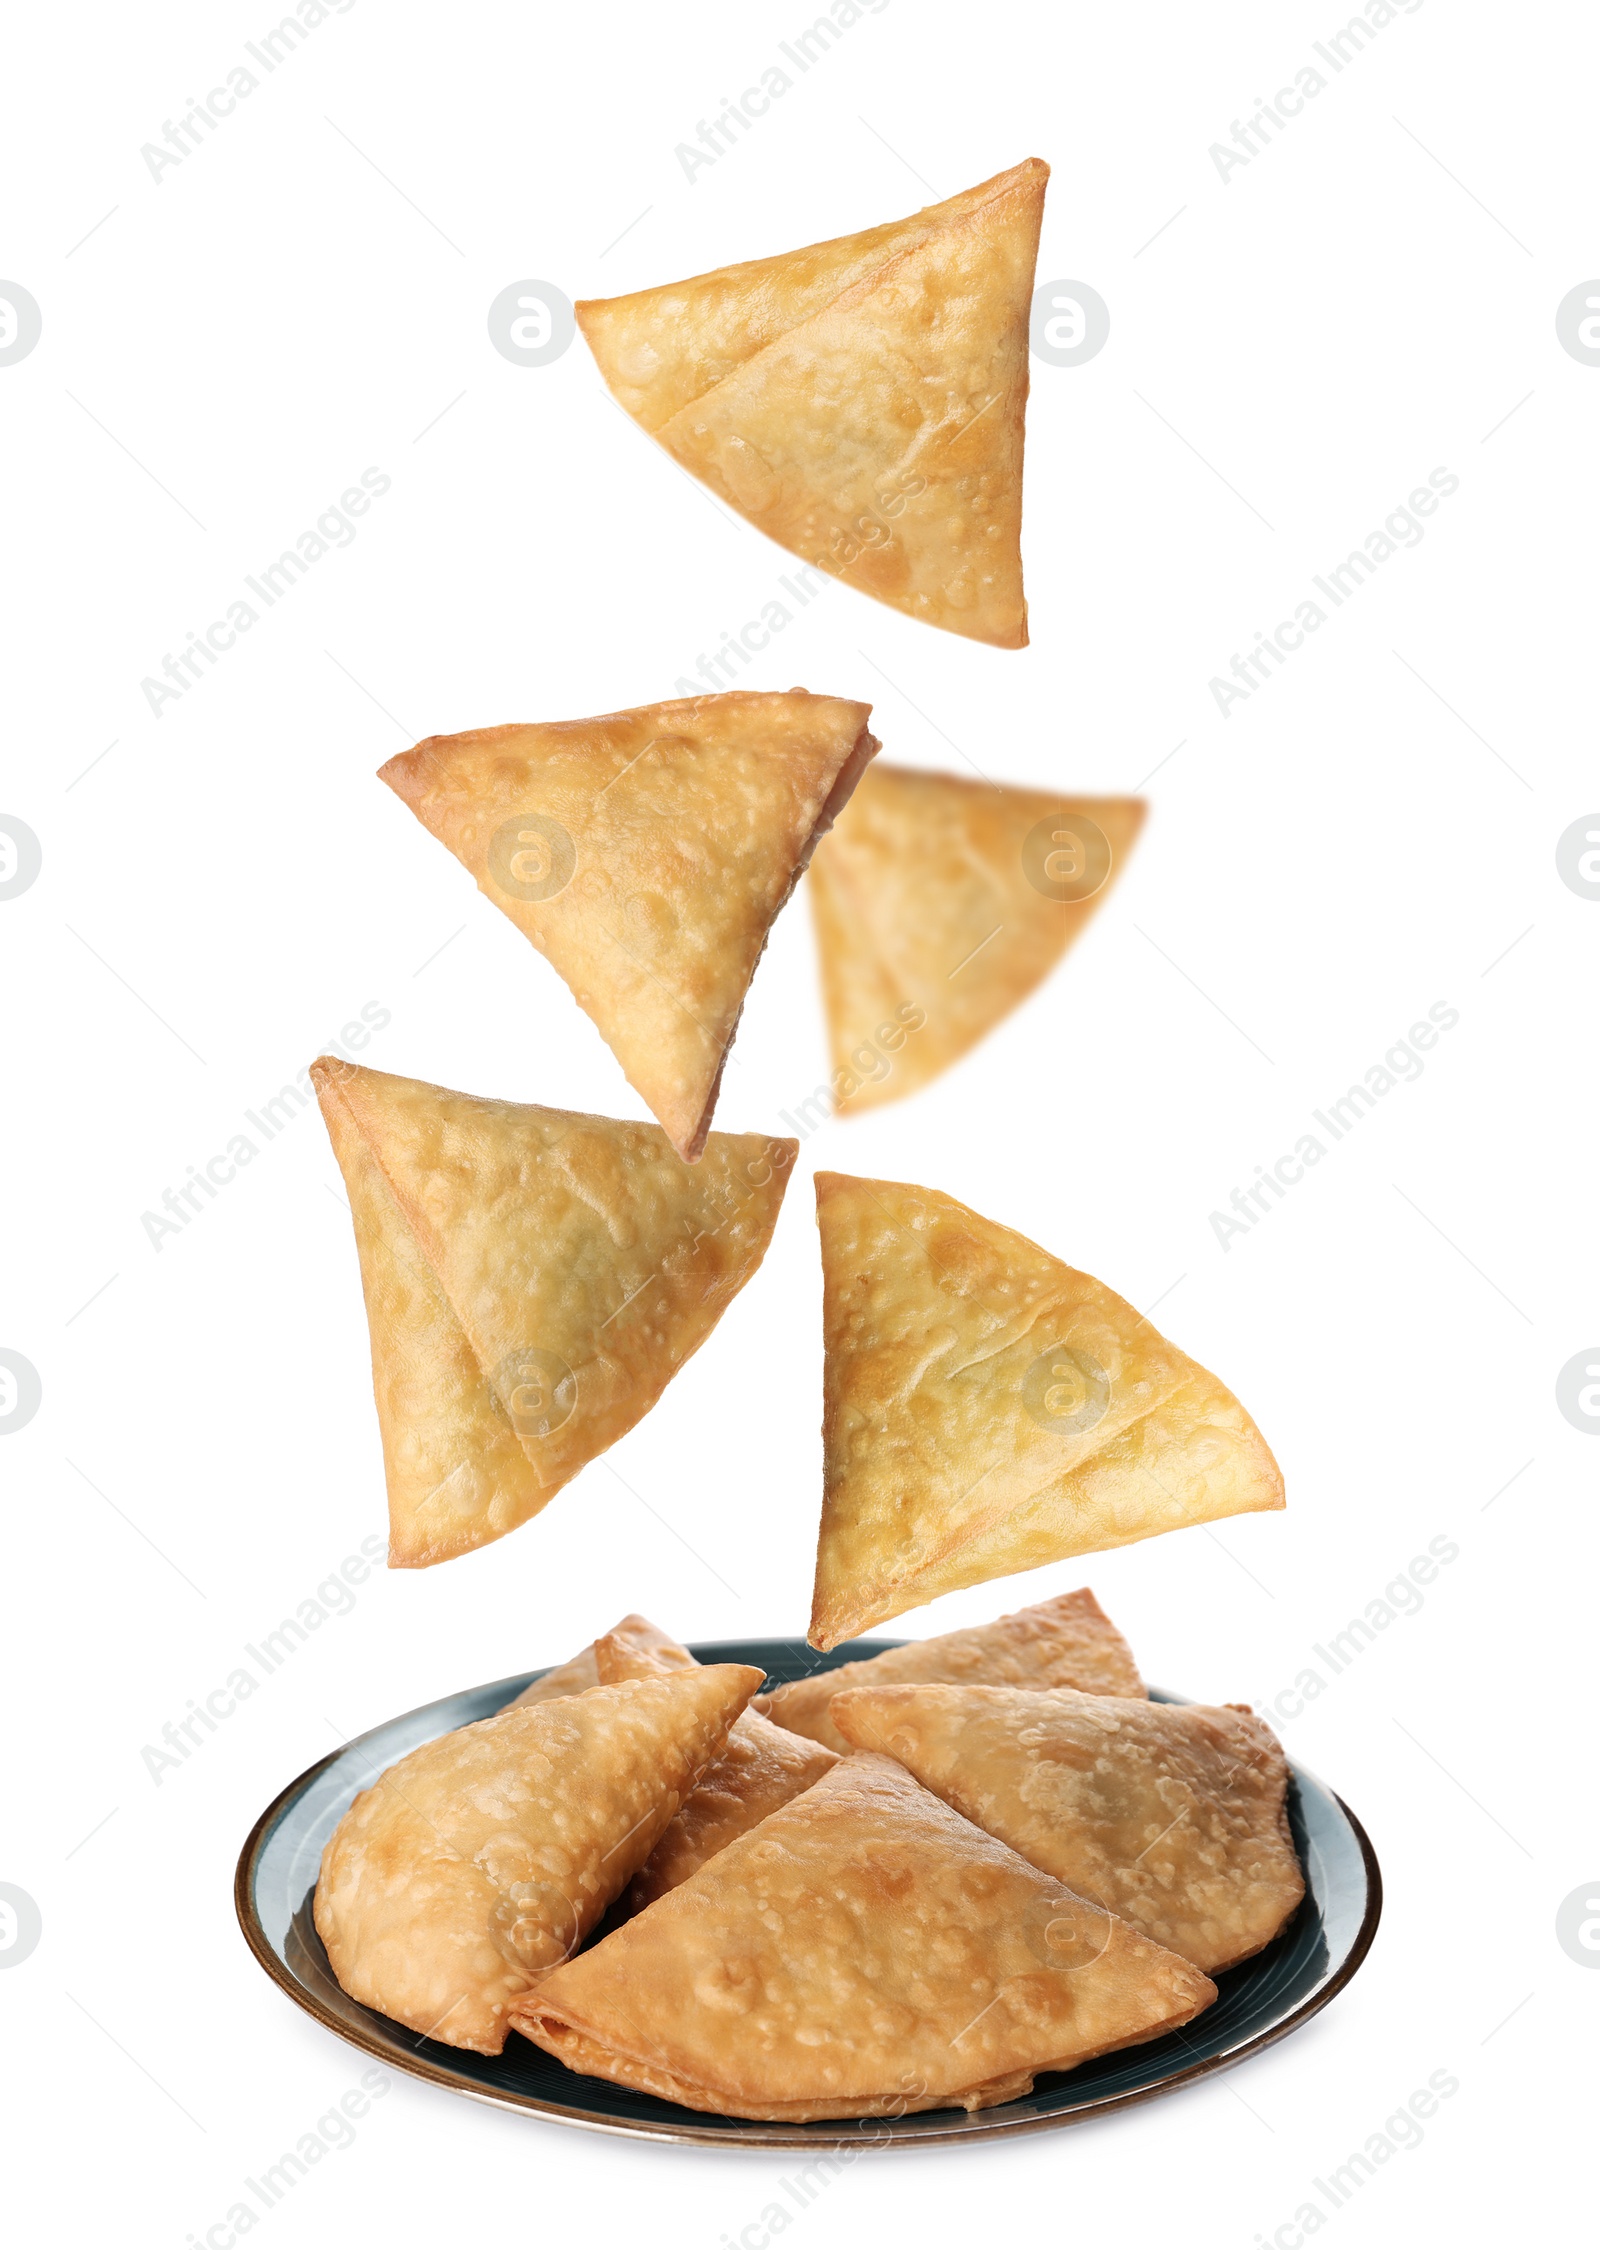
(1371, 833)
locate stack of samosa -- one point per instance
(1019, 1863)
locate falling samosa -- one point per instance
(1171, 1815)
(1067, 1642)
(534, 1278)
(951, 899)
(482, 1858)
(645, 854)
(862, 400)
(864, 1952)
(987, 1408)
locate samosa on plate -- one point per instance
(1066, 1642)
(864, 1952)
(487, 1855)
(760, 1767)
(582, 1672)
(1171, 1815)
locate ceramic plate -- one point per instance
(1260, 2001)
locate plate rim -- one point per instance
(763, 2134)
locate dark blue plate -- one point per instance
(1261, 2000)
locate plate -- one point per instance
(1262, 2000)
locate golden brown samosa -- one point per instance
(864, 1952)
(646, 854)
(581, 1672)
(860, 401)
(760, 1767)
(1067, 1642)
(941, 903)
(987, 1408)
(575, 1677)
(484, 1857)
(1171, 1815)
(534, 1279)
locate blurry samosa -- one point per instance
(760, 1767)
(861, 401)
(864, 1952)
(942, 903)
(534, 1278)
(987, 1408)
(646, 855)
(1171, 1815)
(484, 1857)
(1067, 1642)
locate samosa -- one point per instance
(646, 855)
(481, 1859)
(1171, 1815)
(860, 401)
(944, 902)
(1067, 1642)
(761, 1766)
(988, 1408)
(534, 1279)
(582, 1672)
(864, 1952)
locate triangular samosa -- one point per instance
(581, 1672)
(489, 1854)
(1068, 1642)
(534, 1278)
(1171, 1815)
(761, 1766)
(987, 1408)
(865, 1952)
(860, 401)
(940, 904)
(645, 854)
(575, 1677)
